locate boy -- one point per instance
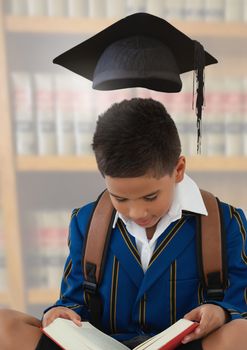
(151, 275)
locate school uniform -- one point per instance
(149, 285)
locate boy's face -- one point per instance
(144, 199)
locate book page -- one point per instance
(87, 337)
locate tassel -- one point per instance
(199, 61)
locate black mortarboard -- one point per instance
(140, 50)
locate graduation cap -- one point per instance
(140, 50)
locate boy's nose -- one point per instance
(137, 214)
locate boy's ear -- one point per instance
(180, 169)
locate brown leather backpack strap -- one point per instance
(94, 254)
(212, 248)
(98, 235)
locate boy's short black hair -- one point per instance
(136, 137)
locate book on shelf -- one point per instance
(36, 7)
(16, 7)
(179, 106)
(213, 121)
(115, 9)
(233, 10)
(214, 10)
(72, 337)
(82, 112)
(195, 10)
(133, 6)
(77, 8)
(245, 116)
(234, 117)
(65, 125)
(173, 9)
(244, 11)
(23, 113)
(45, 116)
(156, 7)
(48, 248)
(96, 9)
(56, 8)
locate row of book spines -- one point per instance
(221, 10)
(49, 247)
(225, 138)
(44, 94)
(56, 114)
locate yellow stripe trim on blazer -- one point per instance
(167, 240)
(142, 312)
(114, 288)
(200, 293)
(67, 272)
(231, 210)
(243, 234)
(75, 212)
(173, 296)
(73, 307)
(128, 241)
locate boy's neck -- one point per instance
(150, 231)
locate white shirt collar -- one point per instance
(187, 197)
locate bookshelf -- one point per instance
(12, 165)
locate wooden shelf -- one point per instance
(56, 163)
(42, 296)
(88, 25)
(55, 24)
(4, 298)
(88, 163)
(217, 164)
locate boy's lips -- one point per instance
(143, 222)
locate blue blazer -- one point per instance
(135, 302)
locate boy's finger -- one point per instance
(192, 336)
(204, 323)
(77, 322)
(73, 316)
(193, 316)
(47, 321)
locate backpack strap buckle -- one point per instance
(215, 294)
(90, 287)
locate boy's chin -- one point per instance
(148, 224)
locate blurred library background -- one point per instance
(48, 115)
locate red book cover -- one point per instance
(42, 329)
(175, 342)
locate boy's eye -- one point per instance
(151, 198)
(120, 199)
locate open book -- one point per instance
(72, 337)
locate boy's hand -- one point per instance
(209, 316)
(62, 312)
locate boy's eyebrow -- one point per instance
(146, 195)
